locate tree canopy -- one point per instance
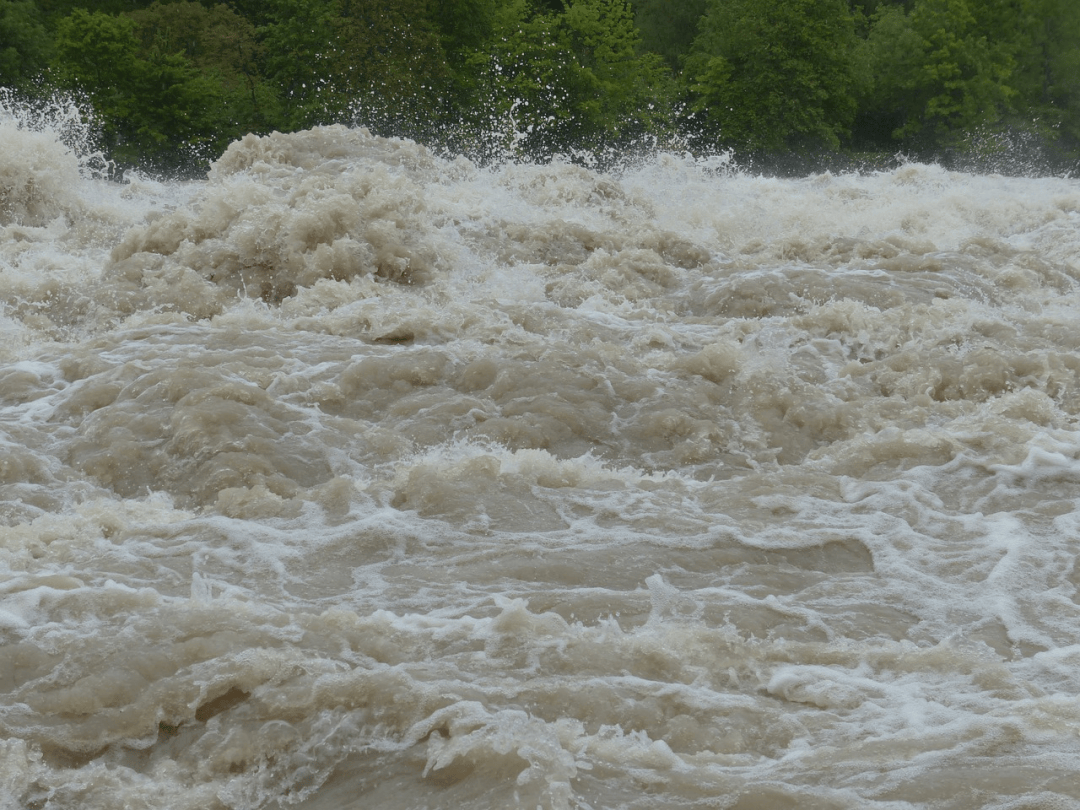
(173, 81)
(25, 46)
(772, 74)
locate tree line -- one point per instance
(172, 82)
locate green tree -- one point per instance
(532, 81)
(148, 107)
(942, 69)
(464, 24)
(1048, 68)
(604, 40)
(24, 44)
(397, 72)
(668, 27)
(221, 45)
(776, 74)
(301, 44)
(570, 78)
(334, 58)
(53, 10)
(465, 29)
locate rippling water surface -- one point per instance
(354, 477)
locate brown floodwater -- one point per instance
(355, 476)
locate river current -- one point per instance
(356, 476)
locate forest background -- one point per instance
(783, 83)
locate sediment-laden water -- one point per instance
(354, 476)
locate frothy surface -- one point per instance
(359, 477)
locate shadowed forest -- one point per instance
(172, 83)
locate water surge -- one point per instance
(359, 476)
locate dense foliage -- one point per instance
(173, 81)
(771, 74)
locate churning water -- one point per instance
(358, 477)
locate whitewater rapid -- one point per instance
(359, 476)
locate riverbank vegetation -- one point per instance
(787, 81)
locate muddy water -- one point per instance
(354, 476)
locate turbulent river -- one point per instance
(355, 476)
